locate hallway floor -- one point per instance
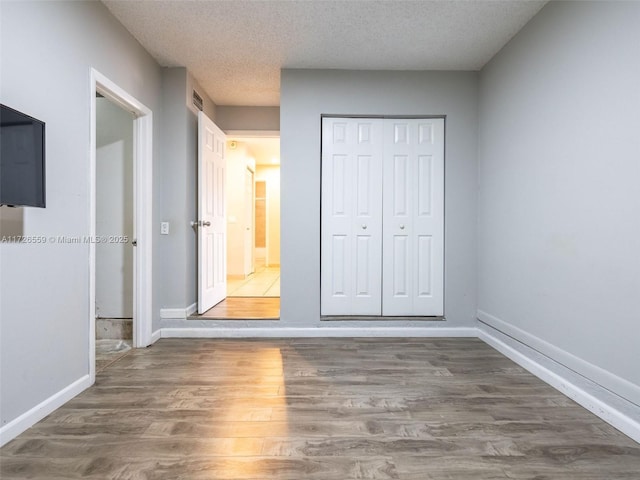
(265, 282)
(243, 308)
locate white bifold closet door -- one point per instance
(413, 231)
(351, 251)
(382, 217)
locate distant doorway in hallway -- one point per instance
(253, 216)
(253, 229)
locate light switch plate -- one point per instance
(164, 228)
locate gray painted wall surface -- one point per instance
(305, 95)
(209, 108)
(175, 201)
(179, 158)
(44, 289)
(559, 203)
(248, 118)
(114, 210)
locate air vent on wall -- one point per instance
(197, 101)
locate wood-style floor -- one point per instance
(110, 350)
(243, 308)
(324, 409)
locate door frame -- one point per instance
(252, 220)
(143, 211)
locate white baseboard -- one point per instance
(15, 427)
(178, 313)
(284, 332)
(598, 375)
(155, 336)
(613, 409)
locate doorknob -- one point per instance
(401, 227)
(200, 223)
(364, 226)
(134, 242)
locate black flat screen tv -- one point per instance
(22, 159)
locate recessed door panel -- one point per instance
(400, 185)
(424, 265)
(425, 133)
(401, 269)
(351, 212)
(364, 133)
(425, 185)
(363, 266)
(339, 194)
(210, 249)
(401, 133)
(364, 188)
(339, 262)
(339, 132)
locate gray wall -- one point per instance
(114, 210)
(305, 95)
(559, 203)
(44, 304)
(176, 201)
(179, 157)
(248, 118)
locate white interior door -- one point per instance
(212, 224)
(413, 238)
(249, 222)
(382, 240)
(351, 251)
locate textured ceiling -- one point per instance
(236, 48)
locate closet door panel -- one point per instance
(351, 230)
(428, 218)
(382, 217)
(413, 186)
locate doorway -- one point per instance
(126, 226)
(253, 258)
(114, 222)
(253, 229)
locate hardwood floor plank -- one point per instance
(326, 409)
(243, 308)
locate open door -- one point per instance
(249, 222)
(212, 223)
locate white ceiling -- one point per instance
(263, 149)
(236, 48)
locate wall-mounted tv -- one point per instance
(22, 159)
